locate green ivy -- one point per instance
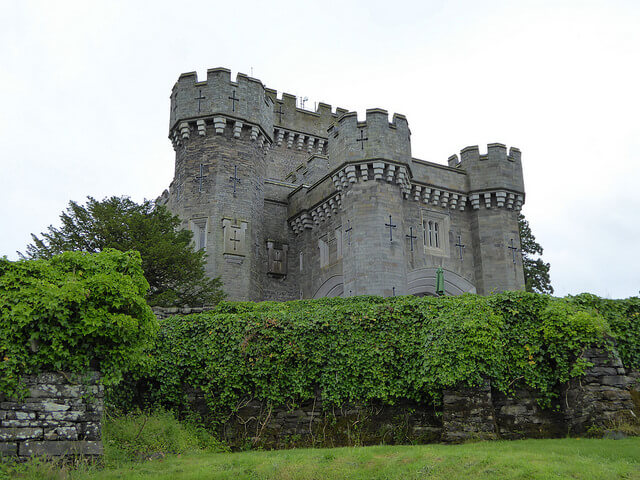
(624, 318)
(367, 348)
(73, 312)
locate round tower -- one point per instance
(376, 156)
(221, 130)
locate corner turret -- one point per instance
(493, 171)
(244, 100)
(375, 138)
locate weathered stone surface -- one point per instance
(59, 416)
(468, 414)
(19, 433)
(598, 399)
(89, 431)
(8, 448)
(60, 448)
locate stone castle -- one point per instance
(290, 203)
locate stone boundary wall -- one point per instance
(602, 397)
(597, 400)
(165, 312)
(61, 415)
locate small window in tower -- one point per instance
(338, 232)
(430, 233)
(436, 227)
(199, 229)
(323, 246)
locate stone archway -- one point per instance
(332, 287)
(423, 282)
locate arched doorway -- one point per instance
(422, 282)
(332, 287)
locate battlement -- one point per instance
(242, 99)
(376, 137)
(494, 169)
(289, 116)
(495, 152)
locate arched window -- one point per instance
(436, 231)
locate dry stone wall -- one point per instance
(597, 400)
(60, 415)
(602, 397)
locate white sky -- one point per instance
(85, 101)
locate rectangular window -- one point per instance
(199, 229)
(323, 246)
(338, 242)
(300, 261)
(436, 227)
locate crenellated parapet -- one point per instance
(218, 101)
(376, 137)
(494, 171)
(289, 117)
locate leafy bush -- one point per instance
(365, 348)
(624, 318)
(73, 312)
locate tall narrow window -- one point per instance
(338, 242)
(199, 229)
(301, 261)
(436, 231)
(201, 239)
(430, 233)
(323, 246)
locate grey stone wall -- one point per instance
(520, 416)
(468, 414)
(258, 425)
(61, 415)
(602, 397)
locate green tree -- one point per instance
(536, 272)
(175, 271)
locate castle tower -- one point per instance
(496, 194)
(220, 131)
(375, 156)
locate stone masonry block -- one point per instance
(60, 448)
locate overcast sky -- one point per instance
(85, 101)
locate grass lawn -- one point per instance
(526, 459)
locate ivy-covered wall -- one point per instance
(248, 368)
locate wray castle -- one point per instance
(290, 203)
